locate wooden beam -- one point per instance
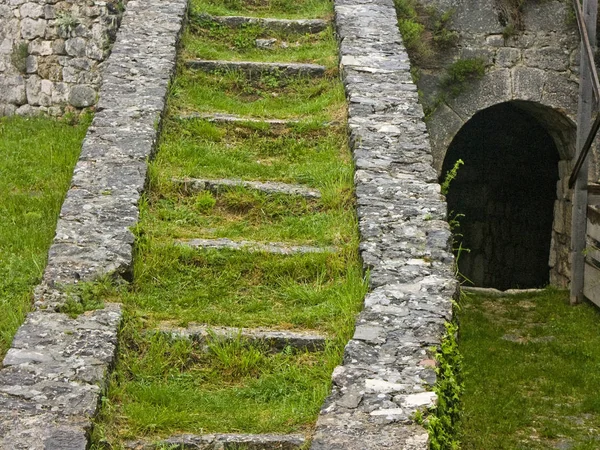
(580, 197)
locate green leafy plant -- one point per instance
(460, 72)
(443, 424)
(66, 21)
(205, 202)
(19, 55)
(451, 175)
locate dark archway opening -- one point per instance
(504, 195)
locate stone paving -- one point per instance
(267, 187)
(53, 374)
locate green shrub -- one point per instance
(205, 202)
(460, 72)
(19, 55)
(443, 424)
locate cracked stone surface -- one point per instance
(268, 187)
(281, 70)
(227, 441)
(276, 340)
(301, 26)
(54, 372)
(387, 371)
(278, 248)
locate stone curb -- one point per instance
(230, 118)
(227, 441)
(277, 248)
(54, 372)
(269, 187)
(301, 26)
(387, 372)
(280, 70)
(275, 340)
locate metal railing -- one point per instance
(589, 55)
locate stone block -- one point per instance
(528, 83)
(547, 58)
(507, 57)
(31, 64)
(40, 47)
(82, 96)
(33, 10)
(75, 47)
(32, 28)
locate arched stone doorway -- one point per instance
(510, 194)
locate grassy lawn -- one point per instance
(37, 156)
(283, 9)
(162, 386)
(532, 371)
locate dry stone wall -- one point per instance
(52, 53)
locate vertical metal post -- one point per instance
(584, 113)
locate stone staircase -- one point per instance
(274, 339)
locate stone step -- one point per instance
(275, 340)
(301, 26)
(225, 441)
(268, 187)
(280, 70)
(277, 248)
(230, 118)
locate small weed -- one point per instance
(66, 21)
(19, 55)
(86, 296)
(204, 202)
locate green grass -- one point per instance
(244, 214)
(210, 40)
(286, 9)
(532, 371)
(168, 385)
(201, 149)
(268, 97)
(37, 156)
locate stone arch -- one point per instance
(552, 103)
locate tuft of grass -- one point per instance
(530, 372)
(37, 156)
(18, 56)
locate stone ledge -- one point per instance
(300, 26)
(54, 372)
(280, 70)
(268, 187)
(388, 373)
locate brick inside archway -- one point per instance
(504, 195)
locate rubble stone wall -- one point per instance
(52, 53)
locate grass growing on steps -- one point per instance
(169, 385)
(284, 9)
(531, 371)
(37, 156)
(210, 40)
(266, 97)
(244, 214)
(162, 387)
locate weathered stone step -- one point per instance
(268, 187)
(275, 340)
(281, 70)
(301, 26)
(230, 118)
(225, 442)
(278, 248)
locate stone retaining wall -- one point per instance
(387, 373)
(55, 370)
(51, 53)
